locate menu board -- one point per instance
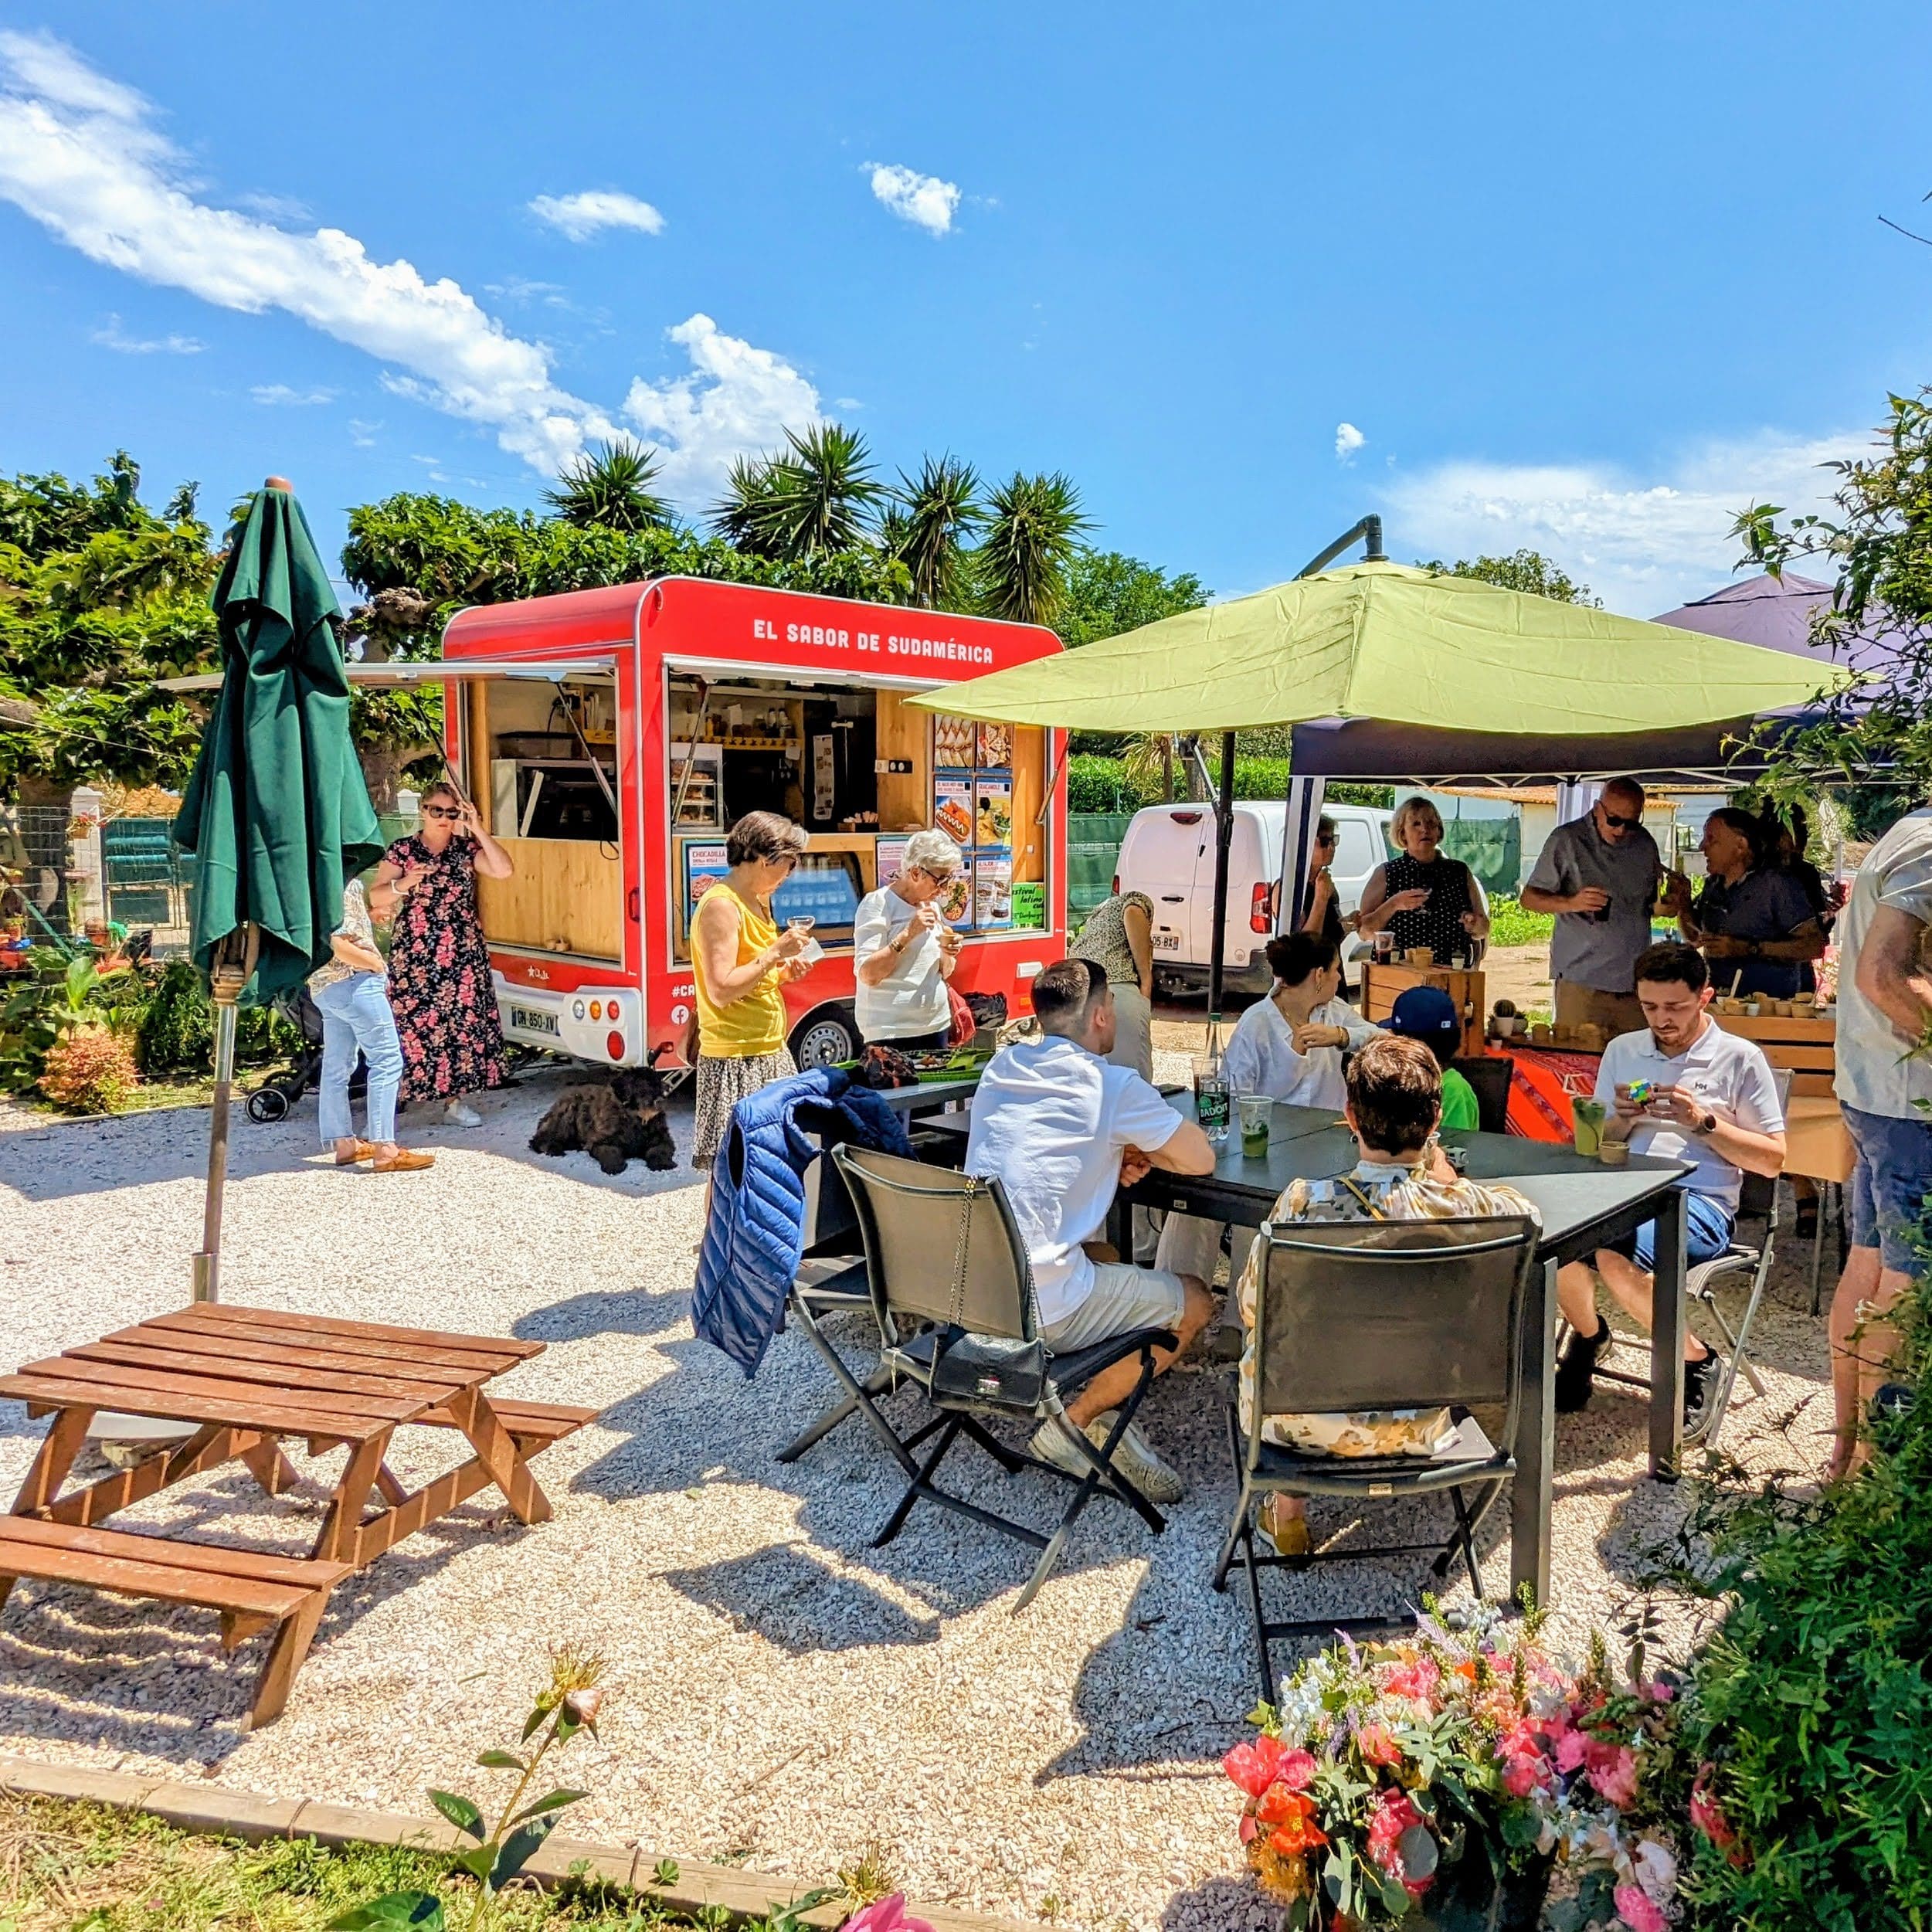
(704, 865)
(956, 740)
(993, 808)
(996, 746)
(890, 860)
(955, 902)
(953, 805)
(1030, 905)
(992, 889)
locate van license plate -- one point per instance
(532, 1022)
(1166, 941)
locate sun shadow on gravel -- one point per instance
(792, 1598)
(1222, 1905)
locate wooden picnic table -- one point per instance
(245, 1378)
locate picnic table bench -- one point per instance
(244, 1380)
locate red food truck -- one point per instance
(610, 738)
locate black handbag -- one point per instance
(1005, 1371)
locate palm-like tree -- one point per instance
(743, 516)
(1021, 565)
(822, 494)
(609, 488)
(928, 528)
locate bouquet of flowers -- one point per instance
(1436, 1780)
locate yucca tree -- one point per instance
(743, 516)
(609, 486)
(936, 517)
(820, 492)
(1020, 567)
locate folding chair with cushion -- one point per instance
(1754, 1235)
(952, 1292)
(1488, 1074)
(1380, 1315)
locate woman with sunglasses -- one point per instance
(1325, 917)
(905, 950)
(740, 961)
(440, 984)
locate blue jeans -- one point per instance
(1707, 1226)
(355, 1015)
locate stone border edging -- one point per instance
(216, 1809)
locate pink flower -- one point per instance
(1394, 1815)
(1418, 1680)
(1255, 1767)
(1708, 1816)
(890, 1915)
(1524, 1774)
(1613, 1772)
(1570, 1748)
(1635, 1908)
(1297, 1771)
(1378, 1745)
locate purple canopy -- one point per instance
(1776, 613)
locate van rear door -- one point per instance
(1253, 858)
(1162, 857)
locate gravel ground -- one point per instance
(780, 1694)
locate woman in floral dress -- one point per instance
(440, 984)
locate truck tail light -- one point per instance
(614, 1045)
(1261, 917)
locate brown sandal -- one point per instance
(364, 1151)
(405, 1160)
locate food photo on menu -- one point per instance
(952, 807)
(955, 742)
(993, 808)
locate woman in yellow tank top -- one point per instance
(740, 961)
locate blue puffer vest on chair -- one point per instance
(755, 1235)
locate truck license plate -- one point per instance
(532, 1022)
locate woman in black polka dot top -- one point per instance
(1422, 898)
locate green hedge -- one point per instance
(1098, 784)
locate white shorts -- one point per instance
(1123, 1298)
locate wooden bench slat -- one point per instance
(206, 1344)
(133, 1576)
(233, 1368)
(58, 1392)
(370, 1331)
(548, 1421)
(462, 1364)
(215, 1559)
(214, 1386)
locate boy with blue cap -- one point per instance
(1428, 1014)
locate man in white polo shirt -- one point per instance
(1062, 1129)
(1710, 1100)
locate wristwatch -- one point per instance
(1706, 1124)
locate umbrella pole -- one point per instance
(234, 962)
(1223, 837)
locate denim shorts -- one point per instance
(1889, 1185)
(1707, 1226)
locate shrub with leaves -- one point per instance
(177, 1028)
(91, 1070)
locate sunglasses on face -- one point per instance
(1619, 821)
(1325, 839)
(441, 811)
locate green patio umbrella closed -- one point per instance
(276, 813)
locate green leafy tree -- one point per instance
(609, 486)
(938, 515)
(1020, 569)
(100, 598)
(1525, 570)
(1109, 593)
(1879, 533)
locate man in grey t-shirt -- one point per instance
(1598, 874)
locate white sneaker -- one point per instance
(460, 1114)
(1135, 1457)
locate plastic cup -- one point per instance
(1256, 1110)
(1587, 1119)
(1615, 1153)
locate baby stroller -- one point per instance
(273, 1098)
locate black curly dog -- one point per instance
(615, 1118)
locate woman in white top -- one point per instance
(904, 950)
(1288, 1046)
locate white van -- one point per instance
(1169, 854)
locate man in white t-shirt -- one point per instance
(1062, 1130)
(1884, 1090)
(1682, 1089)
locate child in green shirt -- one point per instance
(1428, 1014)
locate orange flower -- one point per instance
(1292, 1817)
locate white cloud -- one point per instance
(362, 433)
(580, 216)
(736, 398)
(1644, 544)
(923, 199)
(113, 336)
(81, 155)
(1348, 439)
(279, 394)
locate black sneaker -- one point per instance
(1699, 1379)
(1577, 1368)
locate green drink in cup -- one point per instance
(1587, 1118)
(1256, 1109)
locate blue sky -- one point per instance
(1586, 279)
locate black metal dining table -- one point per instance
(1582, 1205)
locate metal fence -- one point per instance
(145, 880)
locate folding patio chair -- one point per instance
(1488, 1074)
(952, 1292)
(1754, 1235)
(1380, 1315)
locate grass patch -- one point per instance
(66, 1866)
(1510, 925)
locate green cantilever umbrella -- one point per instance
(277, 814)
